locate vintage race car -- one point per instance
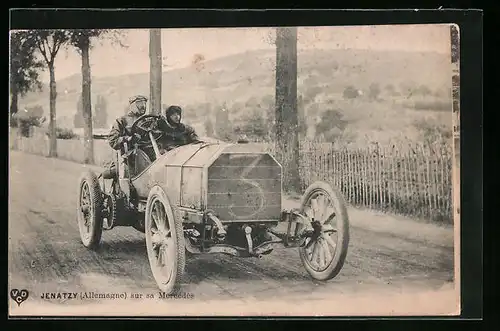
(210, 198)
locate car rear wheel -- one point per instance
(324, 253)
(89, 210)
(164, 242)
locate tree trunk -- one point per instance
(88, 141)
(155, 71)
(14, 101)
(52, 122)
(14, 109)
(286, 129)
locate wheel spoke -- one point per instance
(330, 241)
(326, 249)
(331, 216)
(155, 215)
(156, 240)
(314, 207)
(309, 248)
(324, 213)
(163, 217)
(307, 212)
(314, 257)
(328, 228)
(161, 257)
(323, 206)
(166, 256)
(307, 244)
(163, 260)
(159, 219)
(155, 221)
(85, 192)
(321, 255)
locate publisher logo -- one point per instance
(19, 296)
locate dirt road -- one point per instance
(45, 253)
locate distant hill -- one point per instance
(247, 75)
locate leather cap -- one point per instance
(173, 109)
(137, 98)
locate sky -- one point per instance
(179, 46)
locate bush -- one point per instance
(332, 125)
(390, 89)
(25, 119)
(311, 93)
(432, 105)
(253, 126)
(422, 90)
(350, 92)
(374, 91)
(432, 132)
(62, 133)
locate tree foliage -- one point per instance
(100, 120)
(24, 67)
(350, 92)
(209, 127)
(222, 126)
(422, 90)
(49, 42)
(455, 44)
(390, 89)
(28, 118)
(78, 118)
(253, 127)
(311, 93)
(332, 125)
(206, 110)
(81, 38)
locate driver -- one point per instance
(120, 132)
(175, 133)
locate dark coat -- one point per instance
(174, 136)
(120, 130)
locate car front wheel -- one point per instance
(164, 241)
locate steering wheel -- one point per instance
(143, 126)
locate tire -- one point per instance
(169, 283)
(336, 262)
(89, 210)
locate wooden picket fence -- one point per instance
(414, 180)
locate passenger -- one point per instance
(175, 133)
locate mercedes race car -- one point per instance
(206, 198)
